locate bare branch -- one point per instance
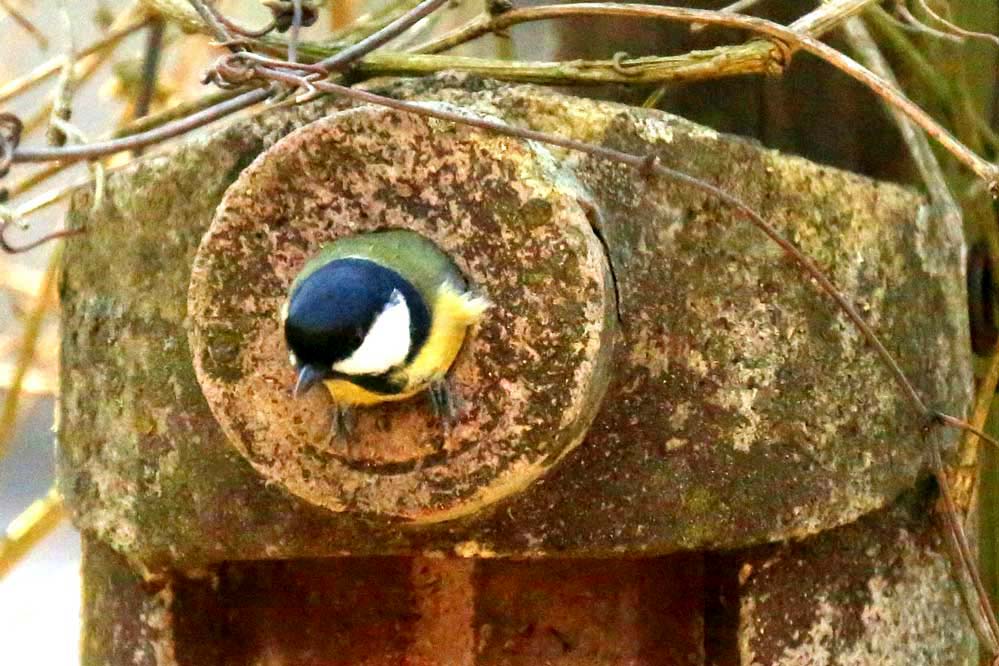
(26, 355)
(51, 67)
(959, 543)
(734, 8)
(381, 37)
(956, 29)
(144, 139)
(25, 24)
(150, 68)
(643, 164)
(784, 39)
(950, 213)
(30, 527)
(913, 24)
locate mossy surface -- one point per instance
(743, 407)
(531, 372)
(878, 591)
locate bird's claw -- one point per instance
(342, 428)
(445, 403)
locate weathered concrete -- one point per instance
(874, 592)
(530, 378)
(742, 407)
(879, 591)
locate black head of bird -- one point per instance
(378, 317)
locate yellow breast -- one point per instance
(453, 314)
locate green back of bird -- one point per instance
(407, 253)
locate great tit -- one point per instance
(378, 317)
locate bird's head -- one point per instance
(351, 317)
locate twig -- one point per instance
(96, 169)
(950, 213)
(140, 125)
(181, 13)
(26, 354)
(919, 147)
(184, 125)
(783, 38)
(60, 130)
(366, 24)
(381, 37)
(144, 139)
(645, 165)
(49, 68)
(692, 66)
(734, 8)
(208, 18)
(815, 23)
(52, 197)
(30, 527)
(175, 112)
(9, 218)
(635, 161)
(25, 24)
(150, 68)
(296, 28)
(915, 25)
(956, 29)
(242, 30)
(937, 85)
(642, 163)
(959, 543)
(159, 119)
(984, 397)
(82, 71)
(62, 98)
(59, 108)
(915, 59)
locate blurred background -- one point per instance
(39, 598)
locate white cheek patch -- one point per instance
(385, 346)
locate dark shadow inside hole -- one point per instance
(981, 300)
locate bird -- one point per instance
(379, 317)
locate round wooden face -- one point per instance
(529, 377)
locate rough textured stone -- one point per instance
(531, 376)
(743, 407)
(879, 591)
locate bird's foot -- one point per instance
(342, 427)
(445, 402)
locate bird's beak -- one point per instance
(308, 376)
